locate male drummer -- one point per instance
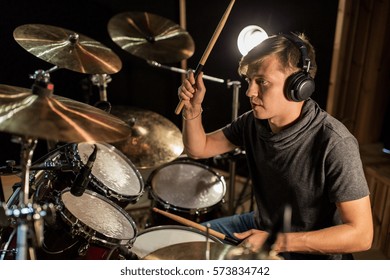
(300, 158)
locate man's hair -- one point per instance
(287, 52)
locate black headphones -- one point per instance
(300, 85)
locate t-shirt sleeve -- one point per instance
(234, 131)
(344, 175)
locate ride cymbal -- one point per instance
(151, 37)
(67, 49)
(154, 140)
(56, 118)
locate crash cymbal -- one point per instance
(9, 94)
(67, 49)
(195, 250)
(56, 118)
(154, 140)
(151, 37)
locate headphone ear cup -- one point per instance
(299, 86)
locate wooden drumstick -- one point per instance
(190, 223)
(208, 49)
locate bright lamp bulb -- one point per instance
(250, 37)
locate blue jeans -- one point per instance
(236, 223)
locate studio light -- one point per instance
(249, 37)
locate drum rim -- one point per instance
(79, 228)
(169, 205)
(177, 227)
(102, 187)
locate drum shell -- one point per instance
(87, 227)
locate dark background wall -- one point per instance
(140, 85)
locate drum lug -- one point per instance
(195, 212)
(167, 207)
(82, 251)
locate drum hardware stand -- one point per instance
(2, 197)
(29, 216)
(241, 196)
(232, 163)
(207, 256)
(101, 81)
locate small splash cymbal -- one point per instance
(56, 118)
(154, 140)
(67, 49)
(151, 37)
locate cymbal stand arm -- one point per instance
(182, 71)
(101, 81)
(232, 163)
(42, 75)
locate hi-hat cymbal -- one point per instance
(154, 140)
(197, 250)
(56, 118)
(151, 37)
(67, 49)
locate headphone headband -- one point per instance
(304, 62)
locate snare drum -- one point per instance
(113, 174)
(154, 238)
(93, 228)
(187, 188)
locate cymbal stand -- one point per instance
(101, 81)
(28, 216)
(43, 76)
(232, 163)
(2, 197)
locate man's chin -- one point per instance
(258, 113)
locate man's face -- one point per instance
(265, 90)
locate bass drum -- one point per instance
(154, 238)
(188, 189)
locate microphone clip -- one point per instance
(83, 178)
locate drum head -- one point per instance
(158, 237)
(188, 185)
(98, 217)
(113, 169)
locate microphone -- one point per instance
(82, 179)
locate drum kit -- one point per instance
(70, 204)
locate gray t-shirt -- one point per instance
(308, 166)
